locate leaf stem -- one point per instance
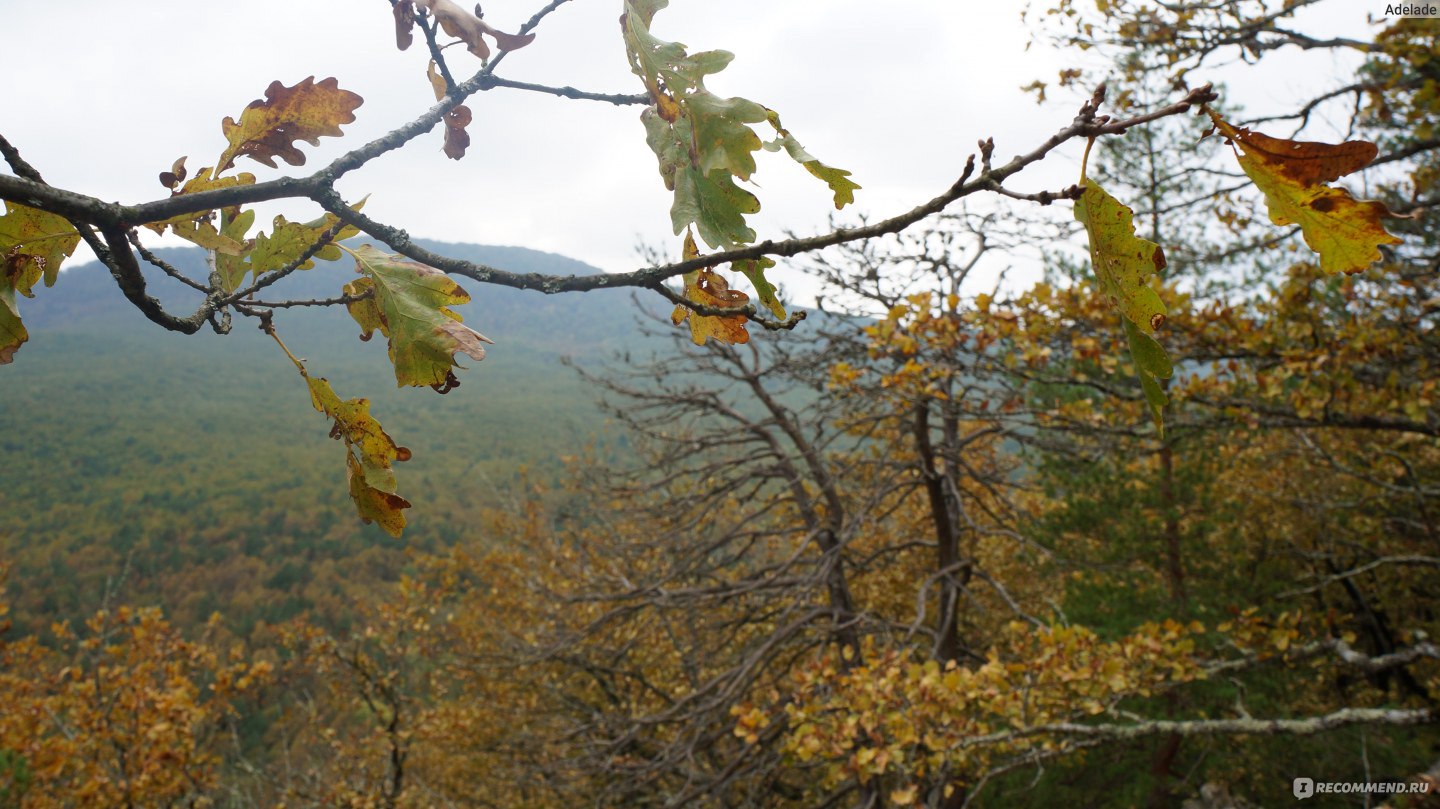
(1085, 161)
(269, 328)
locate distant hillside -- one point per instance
(200, 460)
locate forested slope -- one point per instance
(198, 465)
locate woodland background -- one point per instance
(928, 548)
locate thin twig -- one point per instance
(165, 266)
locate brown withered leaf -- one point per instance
(437, 81)
(174, 176)
(463, 25)
(457, 140)
(404, 24)
(709, 288)
(1305, 162)
(268, 128)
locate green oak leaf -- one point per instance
(716, 205)
(234, 225)
(410, 306)
(648, 54)
(665, 67)
(722, 139)
(1123, 264)
(838, 179)
(704, 143)
(670, 143)
(285, 242)
(1151, 364)
(644, 10)
(754, 269)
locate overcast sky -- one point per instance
(102, 95)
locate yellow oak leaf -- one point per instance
(708, 288)
(370, 454)
(198, 227)
(1345, 232)
(355, 425)
(373, 504)
(12, 331)
(32, 245)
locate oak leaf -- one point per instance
(722, 139)
(708, 288)
(712, 202)
(465, 26)
(670, 141)
(457, 140)
(1123, 264)
(437, 81)
(410, 306)
(370, 455)
(198, 227)
(33, 243)
(374, 504)
(175, 175)
(12, 329)
(754, 269)
(285, 242)
(1345, 232)
(667, 70)
(838, 179)
(703, 142)
(404, 23)
(716, 205)
(268, 128)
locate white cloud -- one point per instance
(101, 96)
